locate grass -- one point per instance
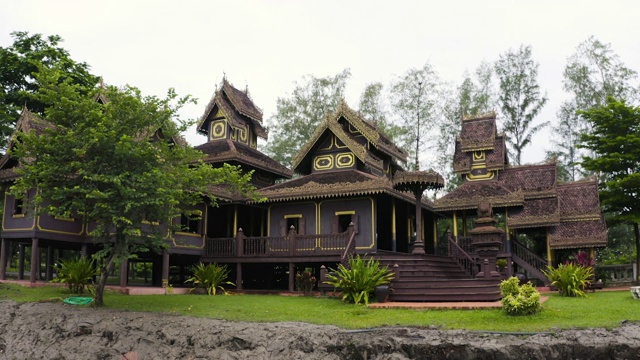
(601, 309)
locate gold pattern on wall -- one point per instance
(218, 129)
(323, 162)
(345, 160)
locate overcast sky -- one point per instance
(268, 45)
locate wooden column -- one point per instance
(235, 219)
(549, 250)
(435, 236)
(124, 273)
(238, 276)
(455, 225)
(49, 267)
(21, 261)
(35, 261)
(292, 276)
(83, 250)
(394, 238)
(165, 267)
(4, 250)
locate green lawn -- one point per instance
(600, 309)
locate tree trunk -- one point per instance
(118, 252)
(636, 232)
(102, 281)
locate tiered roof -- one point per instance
(530, 193)
(371, 151)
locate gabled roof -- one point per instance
(237, 107)
(369, 131)
(27, 122)
(227, 150)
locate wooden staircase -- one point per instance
(424, 278)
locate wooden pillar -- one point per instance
(165, 267)
(262, 223)
(35, 261)
(435, 236)
(4, 254)
(49, 267)
(292, 276)
(394, 238)
(549, 250)
(464, 223)
(238, 276)
(21, 261)
(124, 274)
(455, 225)
(83, 250)
(235, 219)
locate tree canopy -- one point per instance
(519, 98)
(414, 97)
(593, 73)
(114, 164)
(298, 116)
(614, 142)
(20, 61)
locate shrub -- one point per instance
(519, 299)
(359, 280)
(305, 281)
(210, 277)
(570, 279)
(76, 273)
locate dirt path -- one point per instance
(58, 331)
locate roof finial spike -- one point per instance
(246, 87)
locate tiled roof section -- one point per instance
(496, 157)
(533, 180)
(334, 184)
(370, 132)
(224, 192)
(29, 121)
(406, 181)
(8, 174)
(478, 133)
(579, 200)
(226, 150)
(242, 102)
(235, 104)
(535, 213)
(578, 234)
(470, 194)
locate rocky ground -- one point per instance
(59, 331)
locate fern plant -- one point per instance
(211, 277)
(570, 279)
(76, 273)
(357, 282)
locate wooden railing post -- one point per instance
(292, 240)
(239, 242)
(396, 272)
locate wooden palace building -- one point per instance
(350, 196)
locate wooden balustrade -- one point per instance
(273, 246)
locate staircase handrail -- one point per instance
(350, 249)
(528, 256)
(462, 258)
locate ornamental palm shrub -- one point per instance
(210, 277)
(571, 279)
(519, 299)
(359, 280)
(76, 273)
